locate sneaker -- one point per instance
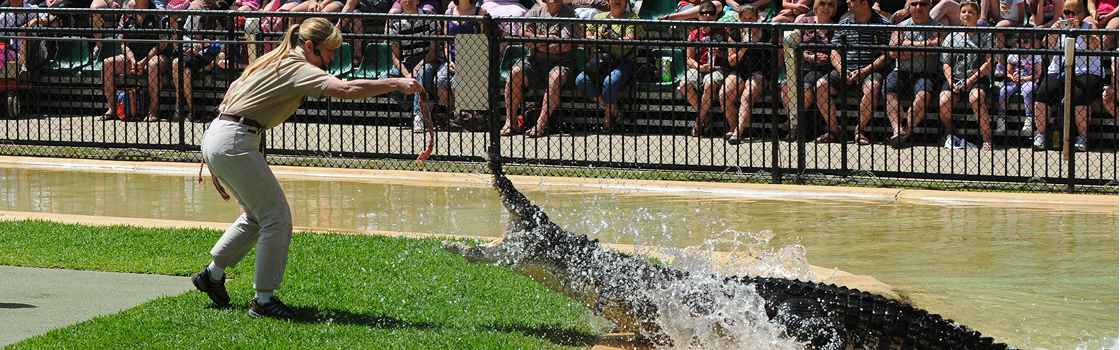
(215, 290)
(1001, 124)
(23, 76)
(1001, 71)
(954, 142)
(1039, 142)
(418, 124)
(1028, 124)
(273, 308)
(1081, 144)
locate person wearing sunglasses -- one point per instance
(863, 70)
(1087, 80)
(915, 73)
(815, 64)
(748, 75)
(706, 68)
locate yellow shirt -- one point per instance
(270, 95)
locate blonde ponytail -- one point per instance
(316, 29)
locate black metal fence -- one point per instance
(63, 77)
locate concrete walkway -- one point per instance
(34, 301)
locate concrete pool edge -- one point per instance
(650, 186)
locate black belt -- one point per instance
(241, 120)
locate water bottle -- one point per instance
(665, 65)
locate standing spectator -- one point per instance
(617, 64)
(748, 77)
(1086, 86)
(138, 58)
(551, 64)
(864, 69)
(445, 78)
(815, 64)
(966, 73)
(1022, 71)
(706, 68)
(416, 59)
(915, 73)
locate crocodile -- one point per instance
(621, 288)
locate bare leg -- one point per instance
(515, 86)
(826, 105)
(551, 100)
(109, 69)
(754, 87)
(978, 99)
(729, 97)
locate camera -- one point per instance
(1064, 23)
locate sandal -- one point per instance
(697, 131)
(827, 138)
(535, 132)
(988, 145)
(150, 118)
(107, 116)
(506, 131)
(862, 140)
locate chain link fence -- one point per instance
(589, 97)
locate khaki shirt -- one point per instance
(269, 96)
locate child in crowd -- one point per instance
(1022, 70)
(966, 74)
(748, 77)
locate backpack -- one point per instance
(130, 104)
(467, 121)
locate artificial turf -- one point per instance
(350, 291)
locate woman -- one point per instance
(815, 65)
(1086, 85)
(607, 90)
(138, 58)
(1104, 14)
(705, 69)
(749, 75)
(267, 93)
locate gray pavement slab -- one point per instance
(34, 301)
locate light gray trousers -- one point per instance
(232, 152)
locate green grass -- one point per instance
(350, 292)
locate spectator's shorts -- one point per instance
(537, 68)
(837, 78)
(909, 83)
(808, 79)
(699, 79)
(1050, 89)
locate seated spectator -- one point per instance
(506, 8)
(916, 73)
(1004, 13)
(1043, 13)
(588, 8)
(138, 58)
(195, 57)
(966, 73)
(792, 10)
(864, 70)
(1086, 86)
(706, 68)
(1105, 14)
(552, 65)
(609, 69)
(1022, 71)
(19, 48)
(417, 59)
(748, 77)
(1110, 96)
(947, 12)
(816, 64)
(445, 78)
(327, 6)
(432, 6)
(690, 10)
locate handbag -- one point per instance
(130, 104)
(600, 66)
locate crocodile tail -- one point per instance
(873, 321)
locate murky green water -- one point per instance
(1034, 277)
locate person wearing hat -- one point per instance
(265, 95)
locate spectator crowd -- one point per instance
(905, 83)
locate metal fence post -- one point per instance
(495, 70)
(1067, 155)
